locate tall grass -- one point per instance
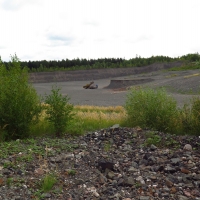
(188, 121)
(86, 118)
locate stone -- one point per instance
(153, 147)
(132, 169)
(130, 181)
(185, 171)
(110, 175)
(169, 169)
(175, 161)
(103, 165)
(187, 147)
(144, 198)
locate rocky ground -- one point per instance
(114, 163)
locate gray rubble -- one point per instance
(114, 163)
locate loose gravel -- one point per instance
(114, 163)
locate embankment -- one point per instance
(96, 74)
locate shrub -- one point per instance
(184, 120)
(19, 102)
(188, 120)
(58, 110)
(194, 116)
(151, 108)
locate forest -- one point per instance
(82, 64)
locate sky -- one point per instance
(92, 29)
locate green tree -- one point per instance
(58, 110)
(19, 103)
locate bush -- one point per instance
(149, 108)
(58, 110)
(196, 114)
(19, 102)
(188, 119)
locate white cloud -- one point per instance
(14, 5)
(52, 30)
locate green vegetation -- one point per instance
(71, 172)
(189, 118)
(187, 66)
(58, 110)
(19, 102)
(150, 108)
(48, 182)
(107, 146)
(9, 181)
(81, 64)
(154, 109)
(90, 119)
(85, 118)
(27, 149)
(46, 185)
(152, 138)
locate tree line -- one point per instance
(78, 64)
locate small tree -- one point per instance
(58, 110)
(19, 102)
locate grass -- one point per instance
(190, 66)
(48, 182)
(192, 75)
(86, 118)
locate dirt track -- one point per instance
(182, 85)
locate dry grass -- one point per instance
(90, 115)
(192, 75)
(116, 109)
(94, 117)
(86, 118)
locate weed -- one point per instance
(107, 146)
(152, 138)
(48, 182)
(9, 181)
(9, 164)
(170, 142)
(71, 172)
(25, 158)
(138, 185)
(195, 112)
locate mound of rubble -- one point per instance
(126, 163)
